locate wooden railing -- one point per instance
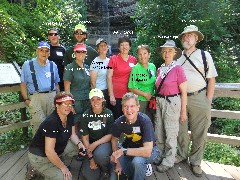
(222, 90)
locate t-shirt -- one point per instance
(96, 125)
(52, 128)
(170, 86)
(56, 55)
(121, 73)
(195, 81)
(69, 56)
(43, 76)
(135, 134)
(100, 66)
(143, 79)
(80, 80)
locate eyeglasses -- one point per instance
(79, 33)
(52, 34)
(80, 51)
(67, 105)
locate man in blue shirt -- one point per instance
(39, 83)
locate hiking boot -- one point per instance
(179, 159)
(197, 170)
(162, 168)
(149, 170)
(157, 161)
(31, 173)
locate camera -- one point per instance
(79, 156)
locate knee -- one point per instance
(139, 163)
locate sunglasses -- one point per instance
(52, 34)
(79, 33)
(80, 51)
(67, 105)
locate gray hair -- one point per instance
(130, 95)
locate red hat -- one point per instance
(65, 98)
(80, 47)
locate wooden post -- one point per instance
(23, 115)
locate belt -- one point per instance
(196, 92)
(166, 97)
(42, 92)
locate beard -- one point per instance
(187, 45)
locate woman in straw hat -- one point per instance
(171, 104)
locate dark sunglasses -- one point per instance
(79, 33)
(52, 34)
(80, 51)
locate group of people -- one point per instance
(101, 104)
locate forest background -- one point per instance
(24, 22)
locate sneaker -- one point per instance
(197, 170)
(31, 173)
(179, 159)
(149, 170)
(162, 168)
(157, 161)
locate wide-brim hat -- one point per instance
(170, 44)
(194, 29)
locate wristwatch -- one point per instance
(125, 151)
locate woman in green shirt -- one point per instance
(142, 79)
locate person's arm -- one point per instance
(141, 93)
(183, 90)
(54, 158)
(110, 87)
(211, 88)
(24, 92)
(75, 140)
(57, 88)
(93, 79)
(144, 151)
(67, 85)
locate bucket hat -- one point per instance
(194, 29)
(170, 44)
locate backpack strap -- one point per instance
(52, 75)
(204, 62)
(34, 79)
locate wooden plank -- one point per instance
(157, 176)
(171, 173)
(183, 171)
(22, 173)
(17, 166)
(227, 90)
(13, 88)
(231, 140)
(225, 114)
(232, 170)
(220, 172)
(209, 172)
(12, 106)
(10, 162)
(4, 158)
(14, 126)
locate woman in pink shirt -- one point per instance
(119, 68)
(171, 105)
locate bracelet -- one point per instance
(79, 143)
(90, 158)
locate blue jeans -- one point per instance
(135, 167)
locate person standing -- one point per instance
(57, 52)
(142, 79)
(200, 72)
(98, 69)
(77, 81)
(80, 34)
(120, 66)
(39, 84)
(171, 100)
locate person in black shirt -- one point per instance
(138, 148)
(57, 52)
(51, 141)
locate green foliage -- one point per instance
(22, 27)
(230, 127)
(225, 154)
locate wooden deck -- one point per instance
(13, 167)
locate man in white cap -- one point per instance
(200, 72)
(80, 34)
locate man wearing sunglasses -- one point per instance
(80, 34)
(57, 52)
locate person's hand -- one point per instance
(92, 147)
(148, 96)
(115, 155)
(118, 168)
(82, 148)
(93, 165)
(27, 102)
(66, 173)
(112, 100)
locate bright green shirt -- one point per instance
(143, 79)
